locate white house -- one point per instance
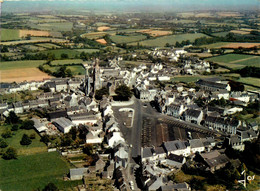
(115, 139)
(92, 138)
(63, 124)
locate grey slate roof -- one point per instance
(147, 152)
(78, 171)
(195, 143)
(193, 113)
(175, 145)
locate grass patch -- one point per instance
(75, 69)
(220, 34)
(48, 45)
(64, 62)
(215, 45)
(87, 50)
(229, 58)
(34, 171)
(171, 39)
(250, 80)
(254, 61)
(35, 147)
(58, 27)
(9, 34)
(20, 64)
(118, 39)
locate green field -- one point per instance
(118, 39)
(9, 34)
(57, 53)
(186, 79)
(236, 60)
(20, 64)
(171, 39)
(35, 147)
(30, 172)
(87, 50)
(56, 27)
(250, 80)
(48, 45)
(220, 34)
(34, 48)
(64, 62)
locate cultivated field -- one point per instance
(87, 50)
(33, 172)
(22, 74)
(48, 45)
(101, 41)
(64, 62)
(9, 34)
(93, 35)
(118, 39)
(54, 26)
(24, 33)
(103, 28)
(236, 60)
(155, 33)
(36, 40)
(220, 34)
(243, 45)
(34, 48)
(171, 39)
(215, 45)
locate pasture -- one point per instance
(155, 33)
(48, 45)
(250, 81)
(93, 35)
(171, 39)
(242, 44)
(215, 45)
(9, 65)
(220, 34)
(235, 61)
(9, 34)
(33, 172)
(75, 69)
(68, 61)
(35, 147)
(87, 50)
(59, 52)
(54, 26)
(119, 39)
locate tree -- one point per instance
(99, 93)
(88, 149)
(10, 153)
(123, 93)
(3, 143)
(50, 187)
(7, 134)
(14, 128)
(25, 140)
(12, 118)
(73, 131)
(32, 136)
(45, 139)
(27, 124)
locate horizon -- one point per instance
(127, 5)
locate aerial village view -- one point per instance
(129, 95)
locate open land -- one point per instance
(30, 172)
(171, 39)
(236, 60)
(118, 39)
(155, 33)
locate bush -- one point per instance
(32, 136)
(27, 124)
(12, 118)
(7, 134)
(50, 187)
(3, 143)
(10, 153)
(25, 140)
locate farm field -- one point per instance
(30, 172)
(64, 62)
(93, 35)
(34, 40)
(243, 45)
(34, 48)
(250, 80)
(220, 34)
(87, 50)
(236, 60)
(172, 39)
(23, 74)
(118, 39)
(57, 53)
(155, 33)
(215, 45)
(35, 147)
(8, 65)
(48, 45)
(9, 34)
(54, 26)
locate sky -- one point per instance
(127, 5)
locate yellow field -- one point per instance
(24, 33)
(104, 28)
(155, 33)
(101, 41)
(22, 74)
(243, 45)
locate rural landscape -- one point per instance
(97, 96)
